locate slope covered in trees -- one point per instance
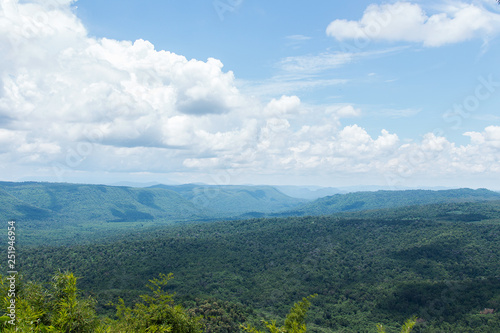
(59, 213)
(359, 201)
(233, 200)
(55, 213)
(69, 203)
(365, 269)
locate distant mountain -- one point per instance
(61, 203)
(445, 211)
(133, 184)
(12, 208)
(85, 203)
(359, 201)
(235, 200)
(316, 192)
(67, 213)
(308, 192)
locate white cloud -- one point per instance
(315, 63)
(73, 104)
(56, 81)
(287, 84)
(440, 158)
(405, 21)
(298, 37)
(490, 137)
(283, 106)
(397, 113)
(345, 111)
(312, 64)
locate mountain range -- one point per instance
(61, 202)
(55, 212)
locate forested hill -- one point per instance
(234, 200)
(63, 203)
(379, 268)
(360, 201)
(66, 203)
(41, 201)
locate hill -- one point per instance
(234, 200)
(359, 201)
(76, 203)
(309, 192)
(60, 213)
(366, 269)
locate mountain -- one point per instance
(77, 203)
(62, 203)
(12, 208)
(359, 201)
(308, 192)
(235, 200)
(60, 213)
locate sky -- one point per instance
(328, 93)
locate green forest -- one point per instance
(423, 267)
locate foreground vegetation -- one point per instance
(61, 309)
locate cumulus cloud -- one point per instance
(490, 137)
(345, 111)
(444, 159)
(53, 73)
(405, 21)
(71, 103)
(283, 106)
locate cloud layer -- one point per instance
(405, 21)
(73, 104)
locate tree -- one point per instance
(407, 326)
(294, 322)
(71, 313)
(158, 313)
(58, 309)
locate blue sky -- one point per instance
(236, 91)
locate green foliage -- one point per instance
(53, 205)
(69, 312)
(294, 323)
(56, 309)
(296, 320)
(221, 316)
(60, 309)
(358, 201)
(438, 262)
(235, 200)
(363, 269)
(59, 213)
(157, 313)
(407, 326)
